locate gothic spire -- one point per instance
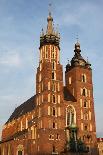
(50, 22)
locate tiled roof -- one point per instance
(67, 95)
(99, 139)
(27, 106)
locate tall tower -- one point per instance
(78, 78)
(49, 89)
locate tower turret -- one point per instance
(51, 36)
(78, 78)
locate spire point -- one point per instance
(50, 9)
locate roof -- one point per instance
(27, 106)
(67, 95)
(99, 139)
(18, 134)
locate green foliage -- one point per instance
(77, 146)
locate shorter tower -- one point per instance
(78, 76)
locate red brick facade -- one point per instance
(46, 122)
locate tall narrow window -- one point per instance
(70, 116)
(85, 104)
(86, 116)
(54, 112)
(57, 136)
(84, 92)
(53, 98)
(53, 148)
(83, 78)
(52, 75)
(53, 87)
(53, 125)
(85, 127)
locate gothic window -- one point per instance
(70, 116)
(53, 87)
(53, 65)
(53, 125)
(85, 127)
(85, 104)
(53, 55)
(85, 116)
(54, 111)
(53, 148)
(84, 92)
(53, 98)
(83, 78)
(57, 136)
(52, 75)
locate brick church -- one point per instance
(59, 118)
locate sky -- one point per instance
(21, 22)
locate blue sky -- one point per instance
(20, 24)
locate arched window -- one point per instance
(52, 75)
(20, 150)
(83, 78)
(84, 92)
(53, 65)
(85, 127)
(70, 116)
(85, 104)
(53, 98)
(53, 148)
(54, 111)
(53, 125)
(86, 116)
(53, 87)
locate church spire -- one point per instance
(50, 23)
(51, 36)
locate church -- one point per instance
(59, 118)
